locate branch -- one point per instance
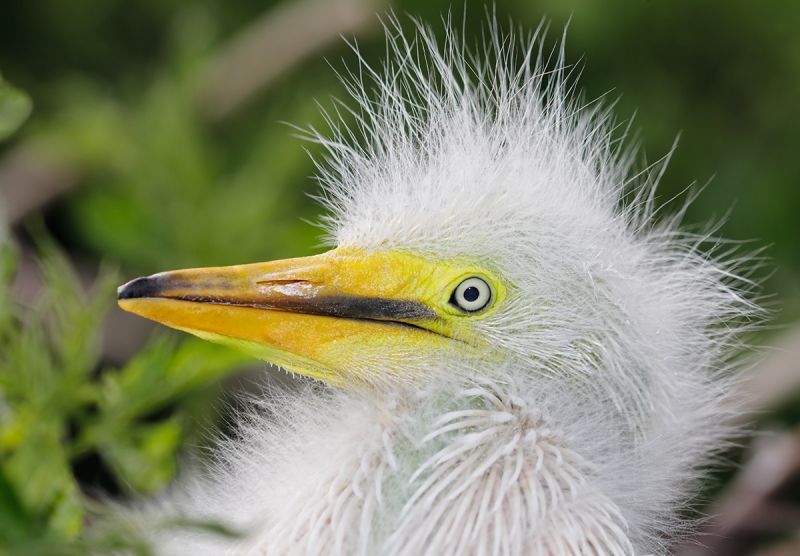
(275, 43)
(750, 509)
(30, 178)
(772, 381)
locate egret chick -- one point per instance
(519, 358)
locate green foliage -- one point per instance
(155, 173)
(15, 107)
(164, 189)
(142, 453)
(56, 406)
(47, 358)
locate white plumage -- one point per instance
(603, 389)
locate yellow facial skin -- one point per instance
(343, 317)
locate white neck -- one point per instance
(476, 472)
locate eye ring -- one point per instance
(471, 295)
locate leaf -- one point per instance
(40, 471)
(15, 107)
(16, 524)
(161, 374)
(144, 456)
(74, 316)
(141, 452)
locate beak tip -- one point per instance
(140, 287)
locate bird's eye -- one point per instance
(471, 295)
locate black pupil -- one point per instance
(471, 293)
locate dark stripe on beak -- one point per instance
(340, 306)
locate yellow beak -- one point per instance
(342, 316)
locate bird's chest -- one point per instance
(478, 473)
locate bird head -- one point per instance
(483, 216)
(347, 316)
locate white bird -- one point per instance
(519, 357)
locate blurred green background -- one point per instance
(158, 140)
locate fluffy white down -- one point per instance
(617, 335)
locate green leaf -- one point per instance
(74, 316)
(41, 473)
(16, 524)
(15, 107)
(8, 266)
(161, 374)
(144, 456)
